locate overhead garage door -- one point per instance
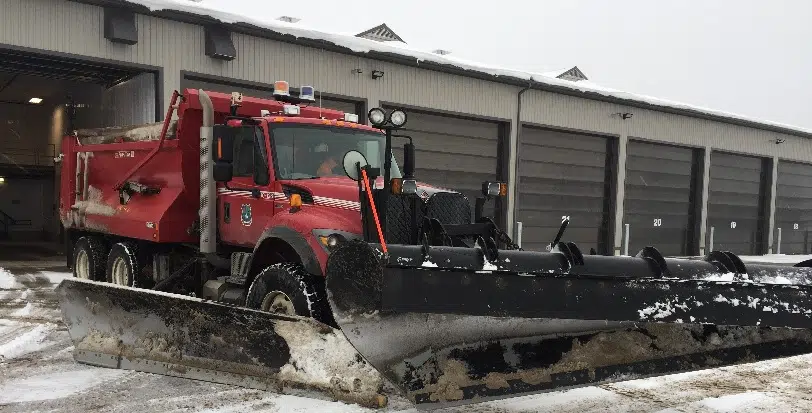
(452, 152)
(793, 207)
(660, 197)
(737, 193)
(562, 173)
(267, 93)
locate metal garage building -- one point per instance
(626, 170)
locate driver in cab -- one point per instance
(328, 163)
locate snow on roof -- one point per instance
(362, 45)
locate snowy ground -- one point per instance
(37, 373)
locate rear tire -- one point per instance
(288, 288)
(122, 264)
(89, 258)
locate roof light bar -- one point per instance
(307, 93)
(281, 88)
(350, 117)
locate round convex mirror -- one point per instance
(351, 160)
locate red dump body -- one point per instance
(173, 166)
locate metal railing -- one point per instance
(7, 221)
(28, 156)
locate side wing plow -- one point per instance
(150, 331)
(451, 326)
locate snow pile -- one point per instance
(55, 385)
(327, 360)
(361, 45)
(27, 342)
(7, 280)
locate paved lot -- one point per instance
(37, 372)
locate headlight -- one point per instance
(398, 118)
(377, 116)
(329, 239)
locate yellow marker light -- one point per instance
(503, 189)
(219, 148)
(295, 201)
(278, 119)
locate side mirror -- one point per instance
(222, 152)
(408, 161)
(223, 143)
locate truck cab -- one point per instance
(283, 194)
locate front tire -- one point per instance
(287, 288)
(122, 264)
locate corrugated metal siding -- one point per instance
(78, 28)
(131, 102)
(590, 115)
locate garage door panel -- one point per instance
(659, 151)
(563, 205)
(637, 195)
(659, 167)
(563, 173)
(449, 125)
(801, 205)
(567, 157)
(449, 144)
(657, 205)
(537, 238)
(788, 168)
(736, 196)
(793, 207)
(789, 190)
(725, 186)
(582, 219)
(677, 183)
(557, 172)
(563, 140)
(532, 187)
(731, 174)
(738, 200)
(797, 181)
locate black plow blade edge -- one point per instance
(455, 335)
(120, 327)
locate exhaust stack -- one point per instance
(208, 220)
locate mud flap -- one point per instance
(120, 327)
(449, 328)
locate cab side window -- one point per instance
(249, 154)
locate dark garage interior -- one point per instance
(43, 98)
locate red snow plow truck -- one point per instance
(274, 244)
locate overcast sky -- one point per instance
(751, 57)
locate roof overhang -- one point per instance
(261, 32)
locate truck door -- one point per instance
(243, 211)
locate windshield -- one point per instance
(309, 151)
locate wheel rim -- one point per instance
(82, 265)
(119, 272)
(278, 302)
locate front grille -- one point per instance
(403, 227)
(449, 208)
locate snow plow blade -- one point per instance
(120, 327)
(449, 327)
